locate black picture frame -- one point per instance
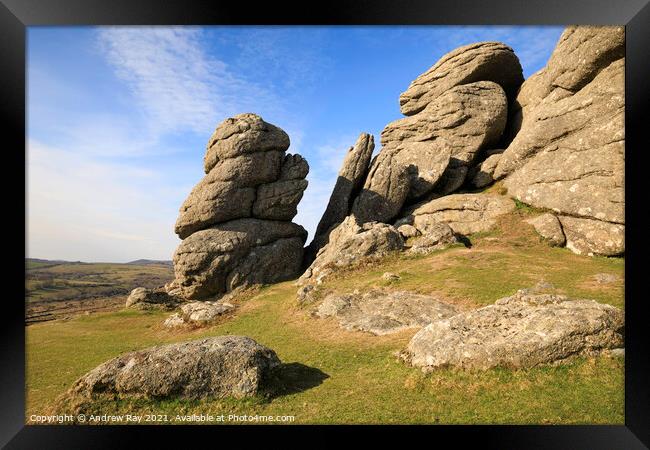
(16, 15)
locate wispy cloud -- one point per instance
(174, 81)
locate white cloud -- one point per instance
(174, 81)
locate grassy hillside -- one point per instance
(59, 289)
(336, 376)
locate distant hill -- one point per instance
(148, 262)
(34, 263)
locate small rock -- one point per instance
(408, 231)
(174, 321)
(143, 298)
(605, 278)
(198, 313)
(389, 276)
(305, 294)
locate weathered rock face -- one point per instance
(384, 191)
(569, 152)
(483, 61)
(350, 179)
(237, 253)
(244, 133)
(467, 118)
(594, 47)
(483, 174)
(431, 151)
(143, 298)
(525, 330)
(198, 314)
(351, 242)
(593, 237)
(235, 224)
(436, 236)
(576, 152)
(223, 366)
(548, 226)
(464, 213)
(383, 312)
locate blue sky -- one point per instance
(118, 117)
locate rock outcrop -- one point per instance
(236, 223)
(464, 213)
(432, 150)
(568, 154)
(383, 312)
(352, 242)
(350, 180)
(223, 366)
(436, 236)
(483, 61)
(524, 330)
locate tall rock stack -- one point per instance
(236, 223)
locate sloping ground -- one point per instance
(337, 376)
(60, 289)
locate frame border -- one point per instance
(16, 15)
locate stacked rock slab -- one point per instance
(236, 223)
(457, 110)
(568, 155)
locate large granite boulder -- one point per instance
(482, 61)
(464, 120)
(432, 150)
(521, 331)
(580, 54)
(350, 180)
(383, 312)
(464, 213)
(222, 366)
(237, 253)
(236, 223)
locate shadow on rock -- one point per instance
(464, 240)
(293, 378)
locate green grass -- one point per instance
(351, 377)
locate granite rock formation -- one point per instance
(236, 223)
